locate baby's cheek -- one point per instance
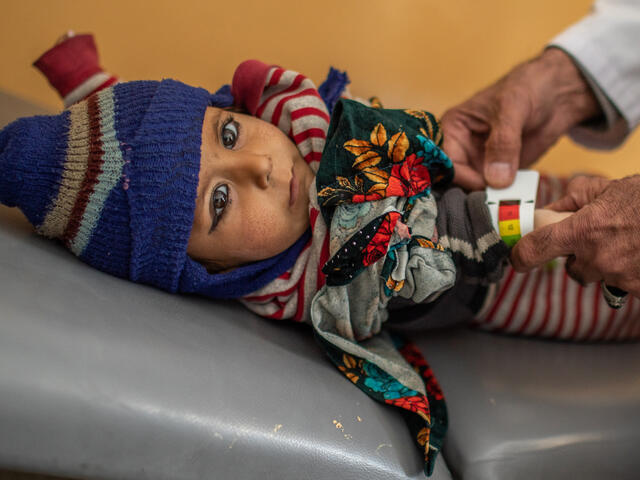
(263, 231)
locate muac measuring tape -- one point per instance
(512, 212)
(512, 208)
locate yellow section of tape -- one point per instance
(509, 227)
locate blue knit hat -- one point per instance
(114, 177)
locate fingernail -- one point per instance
(499, 173)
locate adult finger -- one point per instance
(581, 272)
(502, 149)
(453, 144)
(564, 204)
(581, 191)
(468, 178)
(544, 244)
(464, 150)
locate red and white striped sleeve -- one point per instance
(73, 69)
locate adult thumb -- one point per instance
(502, 151)
(543, 245)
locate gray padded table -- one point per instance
(533, 409)
(101, 378)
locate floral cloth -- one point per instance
(374, 191)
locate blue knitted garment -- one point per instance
(115, 178)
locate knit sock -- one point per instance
(465, 228)
(73, 69)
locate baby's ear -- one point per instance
(214, 267)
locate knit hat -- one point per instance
(114, 177)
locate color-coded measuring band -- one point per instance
(511, 209)
(509, 221)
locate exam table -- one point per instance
(101, 378)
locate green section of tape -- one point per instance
(511, 240)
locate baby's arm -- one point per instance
(73, 69)
(543, 217)
(466, 228)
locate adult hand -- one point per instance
(601, 238)
(514, 121)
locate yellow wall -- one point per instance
(422, 53)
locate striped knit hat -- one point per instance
(114, 177)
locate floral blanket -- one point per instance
(374, 189)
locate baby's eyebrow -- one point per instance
(216, 125)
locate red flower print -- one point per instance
(369, 197)
(408, 178)
(377, 247)
(417, 173)
(412, 355)
(433, 387)
(417, 404)
(396, 187)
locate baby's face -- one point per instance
(253, 187)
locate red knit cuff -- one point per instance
(70, 63)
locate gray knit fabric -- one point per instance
(464, 227)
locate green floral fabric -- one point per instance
(374, 189)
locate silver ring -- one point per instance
(614, 296)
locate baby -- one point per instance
(258, 192)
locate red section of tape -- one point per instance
(508, 212)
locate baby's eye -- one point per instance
(229, 133)
(219, 200)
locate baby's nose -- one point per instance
(257, 168)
